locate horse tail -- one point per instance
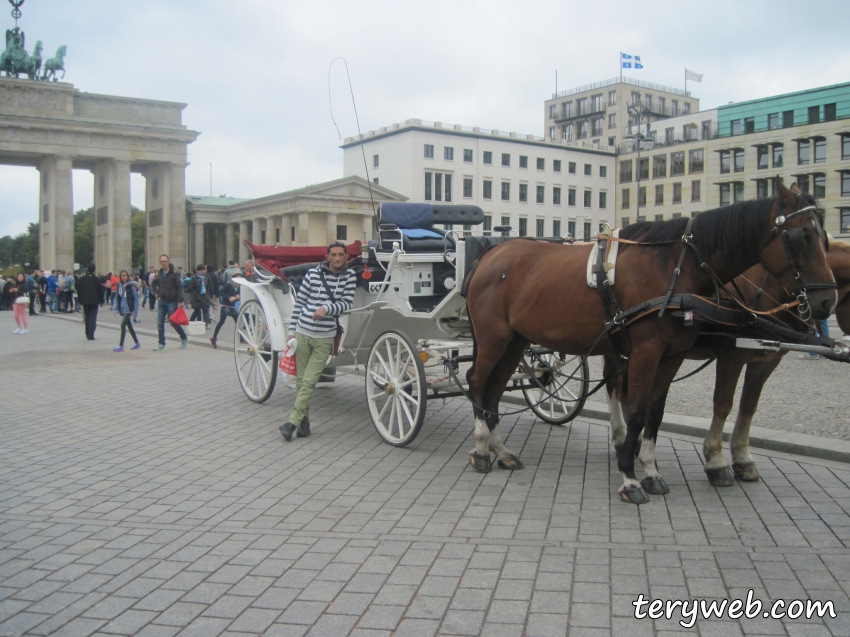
(464, 288)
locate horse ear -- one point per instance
(796, 189)
(786, 196)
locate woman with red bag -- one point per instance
(168, 289)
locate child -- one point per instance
(22, 302)
(126, 300)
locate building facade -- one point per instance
(537, 186)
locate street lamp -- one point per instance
(637, 111)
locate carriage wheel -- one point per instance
(567, 398)
(256, 362)
(395, 388)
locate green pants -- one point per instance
(311, 356)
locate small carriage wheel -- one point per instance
(561, 401)
(395, 388)
(256, 362)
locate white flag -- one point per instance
(694, 77)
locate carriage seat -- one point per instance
(295, 274)
(414, 223)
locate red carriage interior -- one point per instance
(274, 259)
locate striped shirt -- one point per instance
(312, 295)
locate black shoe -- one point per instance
(287, 430)
(304, 429)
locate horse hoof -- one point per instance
(511, 463)
(655, 485)
(633, 495)
(720, 477)
(480, 462)
(746, 471)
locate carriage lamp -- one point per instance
(364, 255)
(424, 357)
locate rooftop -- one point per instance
(621, 80)
(221, 200)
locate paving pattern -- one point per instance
(142, 494)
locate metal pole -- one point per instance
(210, 179)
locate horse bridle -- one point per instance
(794, 242)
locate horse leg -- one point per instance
(729, 366)
(754, 379)
(614, 391)
(652, 481)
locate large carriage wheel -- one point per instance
(560, 401)
(395, 388)
(256, 362)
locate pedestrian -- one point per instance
(326, 292)
(214, 292)
(68, 289)
(231, 271)
(90, 291)
(22, 301)
(199, 296)
(229, 307)
(9, 294)
(168, 289)
(126, 300)
(151, 275)
(134, 279)
(32, 279)
(52, 288)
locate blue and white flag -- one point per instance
(630, 61)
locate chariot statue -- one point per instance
(15, 61)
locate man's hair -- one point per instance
(231, 262)
(337, 244)
(90, 268)
(166, 256)
(201, 266)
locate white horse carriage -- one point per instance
(409, 328)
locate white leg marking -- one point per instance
(629, 482)
(483, 436)
(497, 446)
(740, 442)
(618, 421)
(712, 447)
(647, 458)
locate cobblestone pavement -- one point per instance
(143, 494)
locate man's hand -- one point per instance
(319, 314)
(180, 304)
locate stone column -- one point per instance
(121, 227)
(256, 230)
(177, 239)
(243, 234)
(157, 196)
(272, 225)
(332, 221)
(303, 233)
(367, 228)
(56, 229)
(286, 230)
(198, 257)
(229, 238)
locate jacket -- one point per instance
(312, 295)
(89, 290)
(126, 298)
(197, 299)
(167, 286)
(226, 292)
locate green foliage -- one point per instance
(19, 252)
(138, 230)
(84, 236)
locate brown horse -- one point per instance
(525, 292)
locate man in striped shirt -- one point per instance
(325, 293)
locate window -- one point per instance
(506, 222)
(778, 152)
(761, 189)
(845, 184)
(643, 168)
(596, 103)
(603, 171)
(803, 151)
(695, 190)
(568, 132)
(556, 165)
(674, 108)
(739, 191)
(429, 151)
(571, 168)
(603, 200)
(787, 119)
(467, 155)
(566, 109)
(659, 166)
(677, 163)
(581, 106)
(820, 150)
(541, 163)
(612, 120)
(829, 112)
(506, 191)
(277, 234)
(820, 185)
(845, 219)
(625, 222)
(342, 231)
(488, 225)
(677, 192)
(506, 159)
(773, 121)
(612, 141)
(523, 161)
(642, 196)
(427, 186)
(761, 157)
(375, 181)
(814, 114)
(467, 230)
(736, 127)
(556, 227)
(488, 189)
(659, 195)
(597, 126)
(750, 125)
(696, 161)
(588, 198)
(571, 228)
(725, 161)
(488, 157)
(668, 135)
(845, 147)
(659, 217)
(449, 153)
(687, 108)
(739, 161)
(375, 161)
(539, 228)
(724, 194)
(647, 101)
(588, 169)
(292, 233)
(438, 186)
(612, 101)
(626, 171)
(627, 195)
(552, 111)
(523, 227)
(467, 187)
(541, 193)
(551, 132)
(803, 183)
(571, 197)
(587, 231)
(523, 192)
(556, 196)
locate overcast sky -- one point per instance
(255, 74)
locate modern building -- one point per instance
(537, 186)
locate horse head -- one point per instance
(794, 252)
(61, 51)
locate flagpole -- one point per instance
(686, 80)
(620, 64)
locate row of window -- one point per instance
(813, 116)
(696, 194)
(696, 164)
(522, 229)
(438, 187)
(487, 158)
(659, 217)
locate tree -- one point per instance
(84, 236)
(138, 234)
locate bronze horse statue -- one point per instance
(523, 292)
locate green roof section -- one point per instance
(221, 200)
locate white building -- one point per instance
(539, 187)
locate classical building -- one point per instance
(730, 154)
(314, 215)
(538, 186)
(56, 128)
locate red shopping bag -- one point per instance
(178, 317)
(287, 365)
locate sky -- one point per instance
(256, 76)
